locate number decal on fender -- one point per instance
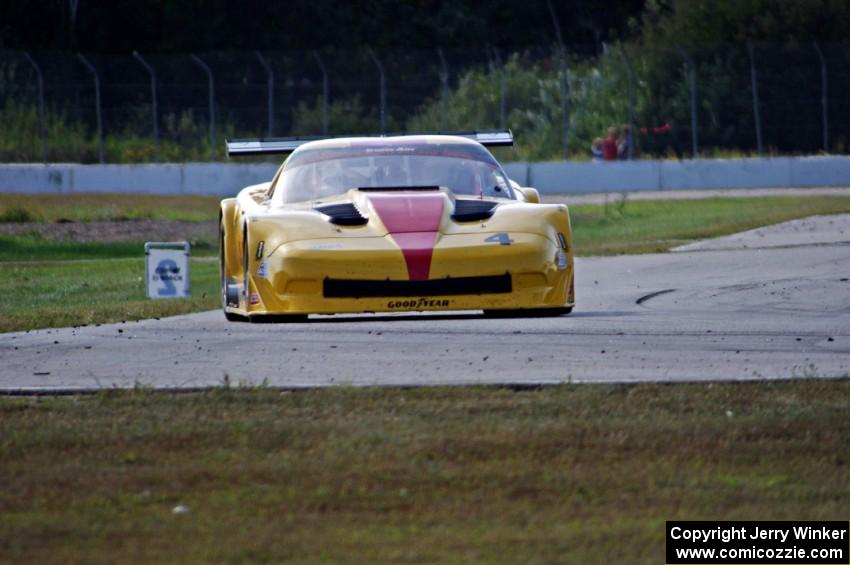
(501, 238)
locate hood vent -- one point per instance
(343, 214)
(473, 210)
(397, 188)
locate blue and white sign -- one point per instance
(167, 269)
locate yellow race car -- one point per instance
(390, 224)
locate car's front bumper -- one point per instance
(467, 272)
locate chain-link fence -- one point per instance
(719, 100)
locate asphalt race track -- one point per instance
(772, 303)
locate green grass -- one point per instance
(33, 247)
(85, 207)
(575, 474)
(654, 226)
(72, 293)
(88, 207)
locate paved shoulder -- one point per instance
(814, 230)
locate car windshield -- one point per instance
(465, 169)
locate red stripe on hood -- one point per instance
(413, 221)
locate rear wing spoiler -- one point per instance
(282, 145)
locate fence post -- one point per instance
(824, 99)
(270, 87)
(154, 112)
(325, 92)
(692, 81)
(41, 119)
(444, 88)
(630, 142)
(93, 71)
(212, 103)
(497, 61)
(754, 87)
(383, 86)
(565, 98)
(563, 81)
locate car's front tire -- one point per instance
(229, 316)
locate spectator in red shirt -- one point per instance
(609, 145)
(624, 142)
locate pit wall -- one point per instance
(225, 179)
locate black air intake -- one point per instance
(341, 288)
(343, 214)
(473, 210)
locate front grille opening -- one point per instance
(473, 210)
(345, 214)
(341, 288)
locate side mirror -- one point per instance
(531, 195)
(526, 192)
